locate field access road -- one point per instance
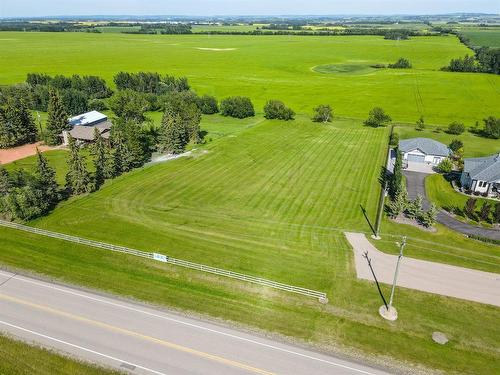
(143, 340)
(438, 278)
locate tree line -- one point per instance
(399, 204)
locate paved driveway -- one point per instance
(415, 184)
(437, 278)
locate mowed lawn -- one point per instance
(274, 67)
(269, 200)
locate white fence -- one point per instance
(166, 259)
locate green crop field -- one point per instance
(489, 37)
(19, 358)
(280, 67)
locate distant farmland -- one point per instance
(483, 37)
(281, 67)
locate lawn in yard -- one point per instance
(277, 67)
(474, 145)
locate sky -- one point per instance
(31, 8)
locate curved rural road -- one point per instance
(142, 340)
(415, 184)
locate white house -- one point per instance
(83, 127)
(482, 175)
(423, 150)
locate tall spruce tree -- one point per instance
(17, 125)
(46, 181)
(173, 136)
(78, 177)
(5, 181)
(57, 120)
(99, 154)
(396, 180)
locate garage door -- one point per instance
(416, 158)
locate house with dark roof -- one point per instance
(482, 175)
(423, 150)
(82, 127)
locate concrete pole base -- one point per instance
(376, 237)
(390, 314)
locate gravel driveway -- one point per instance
(431, 277)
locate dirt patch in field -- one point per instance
(215, 49)
(15, 153)
(353, 68)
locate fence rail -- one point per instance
(166, 259)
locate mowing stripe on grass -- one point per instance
(163, 258)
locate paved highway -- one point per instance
(142, 340)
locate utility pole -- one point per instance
(388, 311)
(401, 247)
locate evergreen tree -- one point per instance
(414, 208)
(17, 125)
(57, 120)
(470, 208)
(484, 213)
(173, 136)
(110, 170)
(46, 181)
(496, 213)
(396, 180)
(428, 219)
(78, 177)
(99, 154)
(398, 205)
(5, 181)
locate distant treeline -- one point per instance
(45, 27)
(485, 59)
(388, 34)
(161, 28)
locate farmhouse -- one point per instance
(83, 127)
(482, 175)
(423, 150)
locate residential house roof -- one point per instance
(426, 145)
(483, 169)
(86, 133)
(88, 118)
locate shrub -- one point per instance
(377, 117)
(446, 166)
(456, 144)
(420, 125)
(456, 128)
(402, 63)
(323, 113)
(276, 109)
(208, 105)
(492, 127)
(394, 139)
(470, 208)
(237, 106)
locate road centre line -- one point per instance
(127, 332)
(291, 352)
